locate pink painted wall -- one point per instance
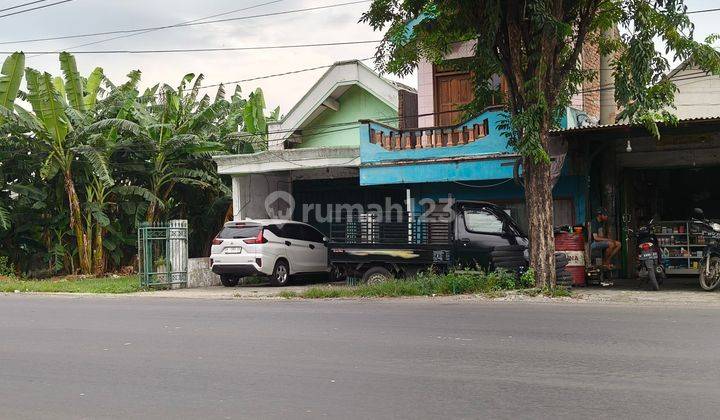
(426, 94)
(426, 91)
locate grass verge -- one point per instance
(122, 284)
(493, 284)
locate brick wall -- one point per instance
(591, 94)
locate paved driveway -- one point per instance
(131, 357)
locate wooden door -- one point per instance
(451, 92)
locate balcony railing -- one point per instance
(391, 138)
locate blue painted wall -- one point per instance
(427, 178)
(378, 168)
(567, 187)
(494, 142)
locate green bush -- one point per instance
(527, 279)
(6, 267)
(426, 284)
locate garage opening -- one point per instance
(668, 196)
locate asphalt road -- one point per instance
(161, 358)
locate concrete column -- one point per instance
(240, 195)
(607, 95)
(178, 243)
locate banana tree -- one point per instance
(59, 122)
(173, 130)
(10, 78)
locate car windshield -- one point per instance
(239, 231)
(480, 220)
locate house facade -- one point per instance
(445, 157)
(313, 152)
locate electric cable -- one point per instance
(34, 8)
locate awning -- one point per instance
(288, 160)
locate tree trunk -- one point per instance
(98, 251)
(539, 201)
(150, 216)
(76, 223)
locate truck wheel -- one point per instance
(228, 280)
(375, 275)
(280, 274)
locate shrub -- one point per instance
(424, 284)
(6, 267)
(527, 279)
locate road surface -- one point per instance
(119, 358)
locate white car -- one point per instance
(273, 248)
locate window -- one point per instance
(292, 231)
(482, 221)
(239, 231)
(311, 234)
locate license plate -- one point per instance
(648, 256)
(233, 250)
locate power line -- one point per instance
(170, 26)
(185, 24)
(219, 49)
(234, 82)
(34, 8)
(22, 5)
(702, 11)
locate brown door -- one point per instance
(451, 92)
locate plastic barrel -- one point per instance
(573, 245)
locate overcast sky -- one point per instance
(329, 25)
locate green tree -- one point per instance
(10, 80)
(536, 45)
(172, 130)
(62, 111)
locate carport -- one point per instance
(300, 184)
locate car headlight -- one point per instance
(715, 226)
(526, 254)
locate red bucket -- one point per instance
(573, 245)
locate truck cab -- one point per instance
(481, 228)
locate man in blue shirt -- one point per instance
(600, 240)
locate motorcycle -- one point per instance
(710, 265)
(650, 264)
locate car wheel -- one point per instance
(376, 275)
(228, 280)
(281, 273)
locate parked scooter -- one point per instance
(710, 266)
(650, 264)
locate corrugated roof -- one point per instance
(608, 127)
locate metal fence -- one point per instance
(163, 253)
(389, 229)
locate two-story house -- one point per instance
(446, 157)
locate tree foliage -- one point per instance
(90, 160)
